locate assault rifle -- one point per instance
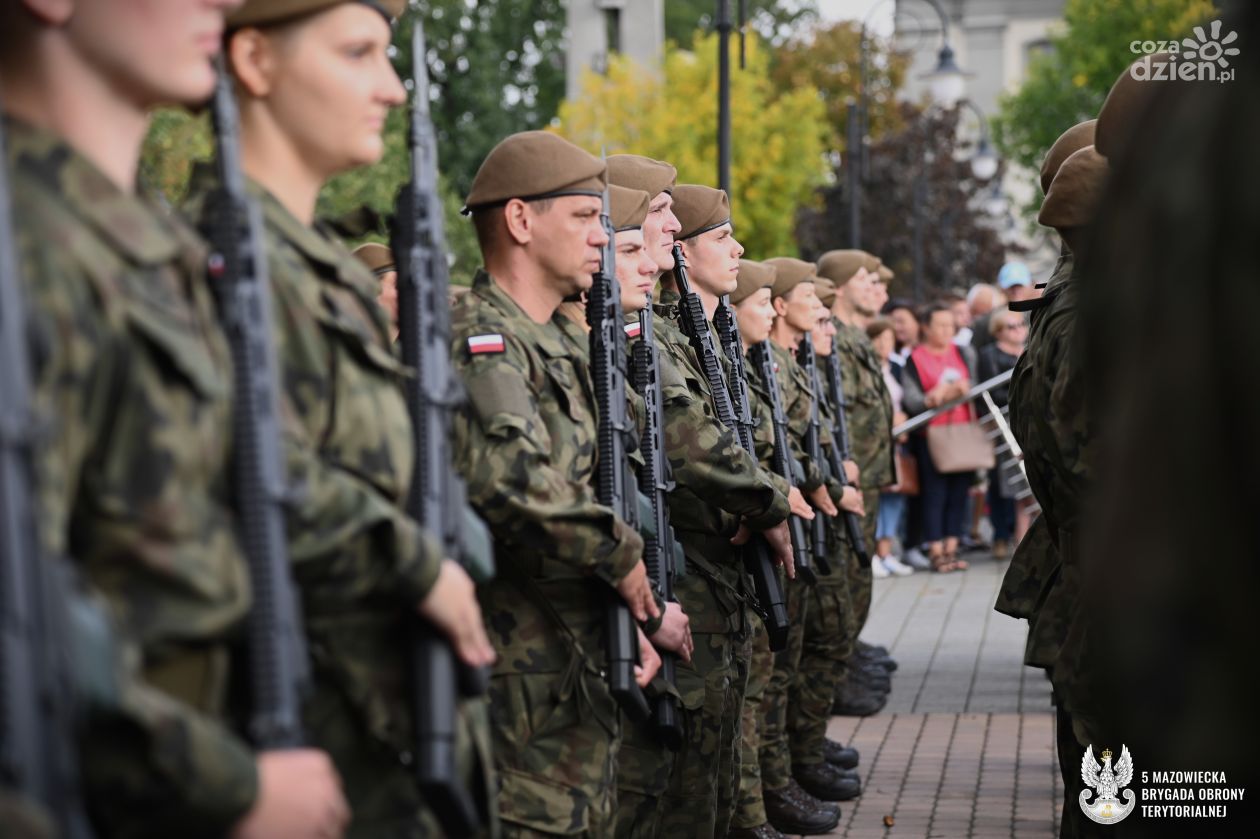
(663, 561)
(763, 358)
(758, 562)
(438, 497)
(808, 359)
(614, 485)
(841, 451)
(278, 663)
(38, 756)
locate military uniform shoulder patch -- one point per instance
(489, 343)
(633, 330)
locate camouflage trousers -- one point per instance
(776, 757)
(555, 738)
(827, 646)
(860, 574)
(643, 770)
(750, 809)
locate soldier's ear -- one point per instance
(251, 55)
(780, 306)
(519, 220)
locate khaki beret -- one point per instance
(629, 207)
(1123, 106)
(644, 173)
(753, 277)
(841, 266)
(826, 291)
(1076, 191)
(700, 209)
(885, 273)
(264, 12)
(533, 165)
(377, 257)
(790, 273)
(1069, 143)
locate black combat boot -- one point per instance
(791, 811)
(761, 831)
(846, 757)
(857, 700)
(827, 782)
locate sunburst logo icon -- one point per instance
(1204, 47)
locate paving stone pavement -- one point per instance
(965, 746)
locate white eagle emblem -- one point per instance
(1108, 783)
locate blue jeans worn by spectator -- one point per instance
(1001, 510)
(943, 496)
(892, 506)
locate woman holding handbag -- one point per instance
(952, 447)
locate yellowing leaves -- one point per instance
(777, 140)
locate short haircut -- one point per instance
(925, 314)
(976, 290)
(898, 303)
(997, 319)
(484, 221)
(878, 327)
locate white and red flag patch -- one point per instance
(485, 343)
(633, 329)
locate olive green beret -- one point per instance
(263, 12)
(826, 291)
(753, 277)
(629, 207)
(790, 273)
(533, 165)
(379, 258)
(1125, 102)
(700, 209)
(885, 273)
(635, 172)
(1076, 191)
(841, 266)
(1069, 143)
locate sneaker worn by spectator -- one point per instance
(791, 810)
(878, 571)
(846, 757)
(917, 560)
(822, 780)
(761, 831)
(896, 566)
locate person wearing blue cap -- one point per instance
(1016, 282)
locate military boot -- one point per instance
(827, 782)
(885, 662)
(875, 678)
(761, 831)
(846, 757)
(856, 700)
(792, 811)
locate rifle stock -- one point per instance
(769, 600)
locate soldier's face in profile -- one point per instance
(565, 240)
(713, 259)
(755, 314)
(879, 294)
(636, 270)
(823, 332)
(800, 307)
(156, 53)
(659, 229)
(388, 297)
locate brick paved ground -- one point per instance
(965, 746)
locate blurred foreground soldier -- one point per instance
(862, 689)
(314, 84)
(1175, 253)
(130, 362)
(527, 448)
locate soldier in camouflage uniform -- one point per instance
(869, 413)
(527, 449)
(363, 565)
(131, 364)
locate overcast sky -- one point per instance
(857, 10)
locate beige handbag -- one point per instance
(959, 447)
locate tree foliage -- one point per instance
(777, 138)
(958, 248)
(1068, 83)
(773, 20)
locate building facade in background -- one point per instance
(598, 28)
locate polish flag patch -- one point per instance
(485, 343)
(633, 329)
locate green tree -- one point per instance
(1068, 83)
(778, 137)
(774, 20)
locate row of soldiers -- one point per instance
(137, 457)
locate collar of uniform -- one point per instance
(547, 337)
(313, 242)
(132, 223)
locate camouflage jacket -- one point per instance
(526, 445)
(868, 406)
(134, 379)
(798, 396)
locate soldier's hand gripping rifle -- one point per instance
(278, 664)
(758, 560)
(660, 556)
(808, 359)
(613, 483)
(763, 358)
(38, 756)
(841, 451)
(438, 497)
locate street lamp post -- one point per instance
(724, 26)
